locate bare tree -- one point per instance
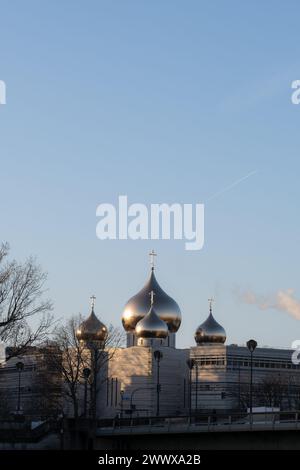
(272, 390)
(66, 359)
(69, 357)
(46, 386)
(240, 391)
(21, 290)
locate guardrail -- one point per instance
(202, 423)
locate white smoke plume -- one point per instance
(283, 300)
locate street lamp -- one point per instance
(158, 357)
(197, 380)
(20, 367)
(86, 373)
(251, 345)
(122, 398)
(190, 364)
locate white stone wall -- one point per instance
(208, 387)
(135, 368)
(132, 340)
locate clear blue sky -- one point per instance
(165, 101)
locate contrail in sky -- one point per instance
(232, 185)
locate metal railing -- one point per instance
(234, 422)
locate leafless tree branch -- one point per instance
(22, 304)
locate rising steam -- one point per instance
(283, 300)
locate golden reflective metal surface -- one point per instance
(210, 332)
(151, 326)
(138, 306)
(91, 329)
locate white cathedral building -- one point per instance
(152, 377)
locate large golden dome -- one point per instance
(138, 306)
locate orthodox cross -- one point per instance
(152, 294)
(211, 300)
(152, 255)
(93, 298)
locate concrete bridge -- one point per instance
(233, 432)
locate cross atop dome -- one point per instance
(211, 300)
(93, 298)
(152, 255)
(152, 294)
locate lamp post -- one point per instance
(95, 348)
(197, 379)
(158, 357)
(86, 374)
(239, 386)
(122, 405)
(190, 364)
(251, 345)
(20, 367)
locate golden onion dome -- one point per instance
(91, 329)
(151, 326)
(138, 306)
(210, 331)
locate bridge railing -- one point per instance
(205, 422)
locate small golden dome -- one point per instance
(210, 331)
(92, 329)
(151, 326)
